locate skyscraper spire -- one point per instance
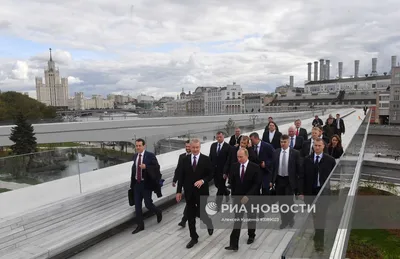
(51, 58)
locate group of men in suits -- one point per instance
(289, 164)
(332, 126)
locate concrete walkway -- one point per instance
(12, 185)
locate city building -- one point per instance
(54, 90)
(253, 102)
(382, 107)
(394, 102)
(145, 101)
(79, 102)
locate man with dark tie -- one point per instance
(219, 154)
(175, 179)
(295, 142)
(194, 176)
(302, 132)
(272, 135)
(142, 182)
(287, 173)
(235, 139)
(340, 128)
(308, 146)
(317, 168)
(264, 152)
(245, 184)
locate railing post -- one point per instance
(79, 171)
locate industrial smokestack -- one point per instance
(291, 81)
(356, 68)
(394, 58)
(309, 64)
(321, 69)
(340, 64)
(315, 70)
(374, 62)
(328, 64)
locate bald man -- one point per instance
(295, 142)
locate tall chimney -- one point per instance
(315, 70)
(291, 81)
(340, 70)
(321, 69)
(328, 64)
(356, 67)
(309, 64)
(374, 62)
(394, 58)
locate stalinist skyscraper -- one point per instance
(54, 91)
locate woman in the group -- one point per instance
(335, 148)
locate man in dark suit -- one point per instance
(265, 152)
(143, 182)
(302, 132)
(176, 177)
(287, 173)
(219, 154)
(317, 122)
(295, 142)
(194, 176)
(340, 128)
(272, 135)
(245, 183)
(308, 146)
(317, 168)
(235, 139)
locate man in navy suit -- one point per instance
(144, 181)
(264, 152)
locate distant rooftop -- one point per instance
(344, 80)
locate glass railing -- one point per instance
(316, 238)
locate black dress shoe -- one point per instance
(250, 240)
(283, 225)
(210, 231)
(182, 224)
(192, 243)
(232, 248)
(138, 229)
(291, 223)
(159, 217)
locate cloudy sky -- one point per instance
(158, 47)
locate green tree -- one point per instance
(23, 136)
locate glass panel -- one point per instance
(316, 236)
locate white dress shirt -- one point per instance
(294, 140)
(220, 148)
(338, 123)
(319, 160)
(141, 162)
(271, 135)
(281, 161)
(197, 158)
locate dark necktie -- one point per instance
(256, 149)
(316, 171)
(219, 149)
(242, 174)
(139, 169)
(291, 142)
(194, 163)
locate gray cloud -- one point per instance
(257, 45)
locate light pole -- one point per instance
(253, 118)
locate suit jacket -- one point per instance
(335, 152)
(329, 131)
(325, 166)
(233, 141)
(266, 154)
(188, 176)
(303, 133)
(305, 151)
(151, 174)
(218, 161)
(181, 157)
(295, 169)
(298, 145)
(276, 141)
(317, 122)
(341, 125)
(251, 181)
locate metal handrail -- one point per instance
(340, 243)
